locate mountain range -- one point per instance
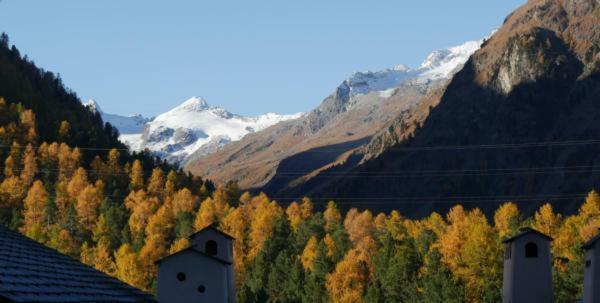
(193, 127)
(509, 117)
(518, 122)
(291, 152)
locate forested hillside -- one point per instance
(120, 219)
(65, 177)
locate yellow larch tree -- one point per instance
(10, 167)
(136, 177)
(34, 211)
(63, 241)
(265, 213)
(348, 282)
(12, 192)
(453, 239)
(479, 262)
(161, 223)
(141, 207)
(293, 214)
(27, 119)
(156, 183)
(103, 260)
(88, 201)
(546, 221)
(171, 183)
(507, 219)
(62, 197)
(64, 130)
(358, 225)
(78, 182)
(101, 231)
(237, 224)
(206, 215)
(128, 267)
(30, 168)
(330, 245)
(309, 253)
(332, 216)
(184, 201)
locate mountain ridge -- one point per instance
(535, 80)
(356, 109)
(192, 126)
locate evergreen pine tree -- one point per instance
(439, 286)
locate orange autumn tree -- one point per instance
(34, 211)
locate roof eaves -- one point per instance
(192, 249)
(526, 231)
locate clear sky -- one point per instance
(249, 56)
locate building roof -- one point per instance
(32, 272)
(201, 253)
(213, 227)
(590, 244)
(527, 231)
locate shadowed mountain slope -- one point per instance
(518, 122)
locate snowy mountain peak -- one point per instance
(190, 127)
(400, 68)
(439, 64)
(193, 104)
(443, 63)
(93, 106)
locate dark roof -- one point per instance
(32, 272)
(589, 244)
(213, 227)
(526, 231)
(192, 249)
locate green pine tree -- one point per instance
(439, 286)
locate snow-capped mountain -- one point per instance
(132, 124)
(361, 106)
(444, 63)
(191, 127)
(194, 125)
(440, 64)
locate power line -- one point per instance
(436, 200)
(466, 170)
(394, 174)
(80, 148)
(465, 147)
(416, 148)
(146, 173)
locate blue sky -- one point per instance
(250, 57)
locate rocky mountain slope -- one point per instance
(518, 123)
(344, 121)
(192, 127)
